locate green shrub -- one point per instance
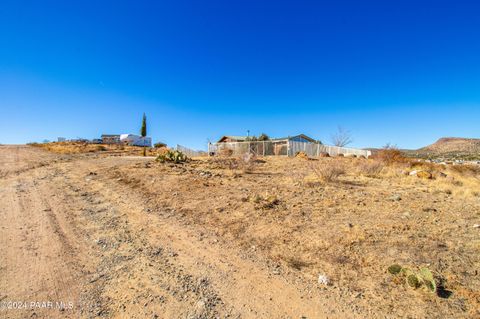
(172, 156)
(159, 145)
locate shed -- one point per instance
(110, 138)
(136, 140)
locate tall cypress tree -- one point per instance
(143, 130)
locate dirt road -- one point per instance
(101, 235)
(76, 243)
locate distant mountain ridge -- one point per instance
(453, 145)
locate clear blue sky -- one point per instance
(405, 72)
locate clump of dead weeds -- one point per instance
(390, 155)
(302, 155)
(247, 163)
(466, 170)
(370, 168)
(328, 171)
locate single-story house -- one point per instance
(136, 140)
(296, 138)
(110, 138)
(283, 146)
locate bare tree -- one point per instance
(342, 137)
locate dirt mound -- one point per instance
(454, 144)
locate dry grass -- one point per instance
(390, 155)
(82, 147)
(225, 152)
(247, 163)
(328, 171)
(466, 170)
(350, 231)
(370, 168)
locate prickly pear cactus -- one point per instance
(395, 269)
(428, 279)
(172, 156)
(413, 281)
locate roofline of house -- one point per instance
(272, 139)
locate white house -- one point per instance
(136, 140)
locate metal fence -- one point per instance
(261, 148)
(313, 150)
(188, 151)
(282, 147)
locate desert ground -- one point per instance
(101, 234)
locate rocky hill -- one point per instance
(454, 144)
(451, 147)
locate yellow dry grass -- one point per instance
(82, 147)
(350, 227)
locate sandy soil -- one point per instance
(126, 237)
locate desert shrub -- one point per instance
(100, 148)
(225, 152)
(426, 166)
(301, 154)
(247, 162)
(469, 170)
(328, 171)
(172, 156)
(263, 137)
(159, 145)
(370, 168)
(389, 155)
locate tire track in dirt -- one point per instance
(245, 289)
(133, 278)
(34, 264)
(74, 233)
